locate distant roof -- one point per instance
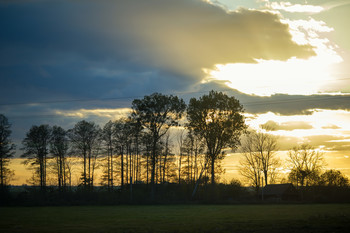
(279, 189)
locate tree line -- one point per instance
(140, 148)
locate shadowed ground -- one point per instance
(177, 218)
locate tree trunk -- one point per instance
(180, 156)
(89, 169)
(111, 152)
(2, 173)
(108, 169)
(213, 171)
(84, 172)
(122, 167)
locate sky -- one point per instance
(288, 62)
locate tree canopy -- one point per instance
(156, 114)
(218, 119)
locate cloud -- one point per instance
(295, 104)
(330, 142)
(331, 126)
(109, 48)
(288, 126)
(104, 113)
(300, 8)
(61, 51)
(324, 142)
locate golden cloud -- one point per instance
(288, 126)
(106, 113)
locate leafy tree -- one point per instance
(84, 137)
(157, 113)
(59, 149)
(333, 178)
(306, 163)
(7, 149)
(218, 119)
(36, 148)
(259, 160)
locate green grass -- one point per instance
(177, 218)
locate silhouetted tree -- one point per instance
(218, 119)
(180, 141)
(122, 134)
(306, 164)
(136, 130)
(7, 150)
(194, 148)
(333, 178)
(167, 162)
(259, 158)
(84, 137)
(107, 137)
(157, 113)
(59, 149)
(35, 146)
(146, 140)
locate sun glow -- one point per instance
(321, 122)
(294, 76)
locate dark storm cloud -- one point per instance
(295, 104)
(281, 104)
(65, 49)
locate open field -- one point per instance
(177, 218)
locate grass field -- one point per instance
(177, 218)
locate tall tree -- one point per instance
(259, 159)
(84, 137)
(122, 134)
(180, 141)
(59, 149)
(7, 149)
(194, 148)
(157, 113)
(168, 161)
(36, 147)
(107, 137)
(218, 119)
(305, 163)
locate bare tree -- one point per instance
(84, 137)
(259, 158)
(180, 141)
(107, 137)
(122, 135)
(305, 163)
(59, 149)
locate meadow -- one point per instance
(177, 218)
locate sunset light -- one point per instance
(177, 103)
